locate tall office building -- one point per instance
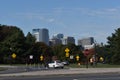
(67, 40)
(56, 39)
(86, 41)
(41, 35)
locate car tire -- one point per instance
(62, 67)
(54, 66)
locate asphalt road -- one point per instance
(107, 76)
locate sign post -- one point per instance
(77, 58)
(41, 58)
(67, 52)
(101, 59)
(31, 58)
(86, 53)
(13, 57)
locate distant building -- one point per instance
(58, 36)
(86, 42)
(36, 34)
(67, 40)
(56, 39)
(41, 35)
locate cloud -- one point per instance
(102, 12)
(51, 20)
(105, 13)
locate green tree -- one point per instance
(40, 48)
(29, 42)
(59, 51)
(114, 46)
(12, 41)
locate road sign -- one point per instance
(71, 57)
(67, 50)
(31, 56)
(86, 52)
(13, 55)
(101, 59)
(77, 58)
(67, 54)
(41, 58)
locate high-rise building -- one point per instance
(56, 39)
(67, 40)
(86, 41)
(41, 35)
(36, 34)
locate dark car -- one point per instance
(65, 62)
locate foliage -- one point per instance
(114, 46)
(40, 48)
(59, 51)
(12, 40)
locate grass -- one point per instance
(75, 65)
(2, 69)
(99, 65)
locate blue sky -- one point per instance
(77, 18)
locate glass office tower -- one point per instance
(41, 35)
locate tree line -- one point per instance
(13, 40)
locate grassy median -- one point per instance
(98, 65)
(2, 69)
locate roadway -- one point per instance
(104, 76)
(35, 73)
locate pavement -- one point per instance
(63, 71)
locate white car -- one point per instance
(56, 64)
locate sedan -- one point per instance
(56, 64)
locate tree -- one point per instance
(114, 46)
(12, 41)
(40, 48)
(29, 42)
(59, 51)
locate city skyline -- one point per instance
(76, 18)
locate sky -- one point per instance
(75, 18)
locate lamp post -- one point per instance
(13, 57)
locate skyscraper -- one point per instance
(41, 35)
(67, 40)
(56, 39)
